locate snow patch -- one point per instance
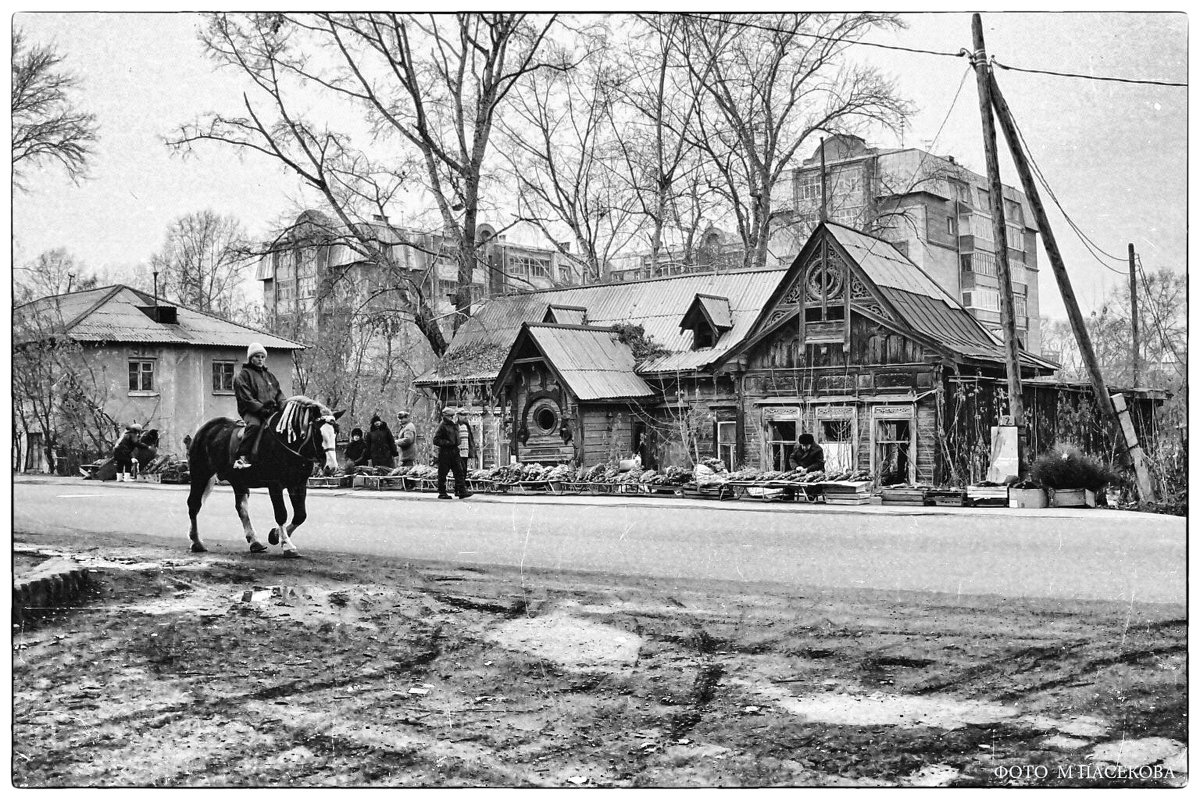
(569, 641)
(1135, 753)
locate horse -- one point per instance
(294, 439)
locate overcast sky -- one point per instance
(1115, 154)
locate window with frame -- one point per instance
(141, 375)
(781, 442)
(222, 376)
(727, 443)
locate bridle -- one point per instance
(319, 422)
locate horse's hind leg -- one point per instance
(241, 501)
(297, 494)
(201, 485)
(281, 514)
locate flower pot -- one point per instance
(1027, 498)
(1072, 498)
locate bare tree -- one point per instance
(204, 264)
(771, 82)
(566, 158)
(46, 127)
(51, 273)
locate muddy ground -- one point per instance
(235, 670)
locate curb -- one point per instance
(41, 592)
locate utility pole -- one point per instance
(1123, 431)
(1008, 317)
(1133, 313)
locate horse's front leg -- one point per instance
(297, 495)
(241, 501)
(201, 486)
(281, 513)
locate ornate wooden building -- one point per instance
(853, 343)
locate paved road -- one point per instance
(1086, 554)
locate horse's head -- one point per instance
(323, 434)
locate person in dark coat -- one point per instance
(808, 455)
(381, 445)
(258, 397)
(356, 451)
(123, 452)
(445, 439)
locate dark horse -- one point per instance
(284, 461)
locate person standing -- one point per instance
(258, 396)
(445, 439)
(808, 455)
(381, 444)
(123, 452)
(356, 451)
(407, 440)
(466, 438)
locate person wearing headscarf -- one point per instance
(356, 451)
(258, 396)
(407, 440)
(381, 444)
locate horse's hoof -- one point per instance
(198, 548)
(258, 547)
(292, 554)
(273, 536)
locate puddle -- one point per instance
(1134, 753)
(569, 641)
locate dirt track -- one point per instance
(364, 672)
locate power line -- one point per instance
(960, 54)
(1088, 77)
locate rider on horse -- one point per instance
(258, 396)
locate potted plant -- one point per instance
(1072, 478)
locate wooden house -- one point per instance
(853, 343)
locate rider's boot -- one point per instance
(242, 463)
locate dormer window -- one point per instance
(707, 318)
(565, 315)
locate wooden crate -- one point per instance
(945, 497)
(1027, 498)
(382, 482)
(902, 497)
(336, 482)
(1072, 498)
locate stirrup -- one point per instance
(242, 463)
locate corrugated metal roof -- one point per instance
(111, 314)
(566, 315)
(657, 304)
(923, 303)
(593, 363)
(718, 310)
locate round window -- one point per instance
(546, 419)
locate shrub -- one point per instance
(1068, 468)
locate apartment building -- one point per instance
(314, 265)
(932, 209)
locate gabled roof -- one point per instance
(656, 304)
(112, 314)
(591, 362)
(565, 315)
(714, 309)
(920, 301)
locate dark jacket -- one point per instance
(257, 391)
(356, 452)
(445, 439)
(381, 445)
(124, 449)
(812, 461)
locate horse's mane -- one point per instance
(297, 414)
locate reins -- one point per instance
(308, 438)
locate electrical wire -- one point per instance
(1140, 81)
(960, 54)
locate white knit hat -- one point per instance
(255, 347)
